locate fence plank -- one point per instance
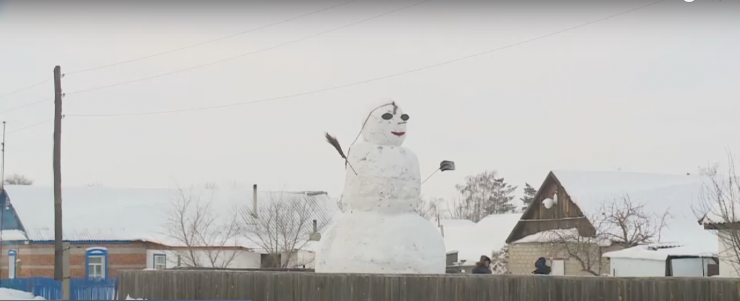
(302, 286)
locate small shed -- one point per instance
(660, 260)
(466, 242)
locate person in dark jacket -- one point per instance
(483, 266)
(541, 267)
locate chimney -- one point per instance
(315, 236)
(254, 200)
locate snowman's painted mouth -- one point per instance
(399, 134)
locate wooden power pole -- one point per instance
(59, 267)
(2, 172)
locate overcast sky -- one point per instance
(652, 90)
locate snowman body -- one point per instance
(379, 232)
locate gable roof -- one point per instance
(131, 214)
(679, 194)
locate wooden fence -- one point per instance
(302, 286)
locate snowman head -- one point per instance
(385, 124)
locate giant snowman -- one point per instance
(379, 232)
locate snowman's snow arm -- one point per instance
(334, 142)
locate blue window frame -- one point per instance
(12, 255)
(159, 261)
(96, 263)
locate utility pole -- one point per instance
(2, 177)
(2, 191)
(60, 273)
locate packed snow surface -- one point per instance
(11, 294)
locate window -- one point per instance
(270, 261)
(11, 263)
(97, 263)
(95, 266)
(160, 261)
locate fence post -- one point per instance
(65, 271)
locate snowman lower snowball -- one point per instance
(378, 231)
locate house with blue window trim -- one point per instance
(111, 229)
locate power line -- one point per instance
(30, 126)
(24, 88)
(372, 79)
(242, 55)
(181, 48)
(25, 105)
(209, 41)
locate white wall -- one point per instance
(726, 268)
(628, 267)
(242, 259)
(302, 258)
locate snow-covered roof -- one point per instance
(471, 240)
(126, 214)
(716, 218)
(556, 235)
(679, 194)
(657, 252)
(9, 235)
(452, 222)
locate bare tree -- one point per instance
(486, 194)
(16, 179)
(500, 261)
(209, 240)
(720, 204)
(629, 224)
(283, 226)
(459, 209)
(620, 221)
(429, 208)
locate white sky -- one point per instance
(653, 90)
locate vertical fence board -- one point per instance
(302, 286)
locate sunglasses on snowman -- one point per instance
(389, 116)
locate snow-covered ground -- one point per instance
(11, 294)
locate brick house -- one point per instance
(565, 200)
(112, 229)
